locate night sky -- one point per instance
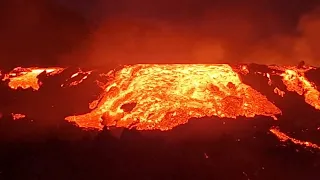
(102, 33)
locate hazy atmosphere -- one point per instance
(102, 33)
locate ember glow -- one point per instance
(284, 137)
(17, 116)
(279, 92)
(164, 96)
(83, 76)
(28, 77)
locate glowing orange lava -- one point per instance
(283, 137)
(161, 97)
(279, 92)
(75, 75)
(17, 116)
(27, 77)
(151, 96)
(295, 81)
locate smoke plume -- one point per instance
(103, 33)
(205, 32)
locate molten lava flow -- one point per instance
(27, 77)
(295, 80)
(161, 97)
(283, 137)
(17, 116)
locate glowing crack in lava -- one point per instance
(76, 75)
(151, 96)
(27, 77)
(283, 137)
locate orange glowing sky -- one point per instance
(131, 32)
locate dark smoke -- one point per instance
(102, 33)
